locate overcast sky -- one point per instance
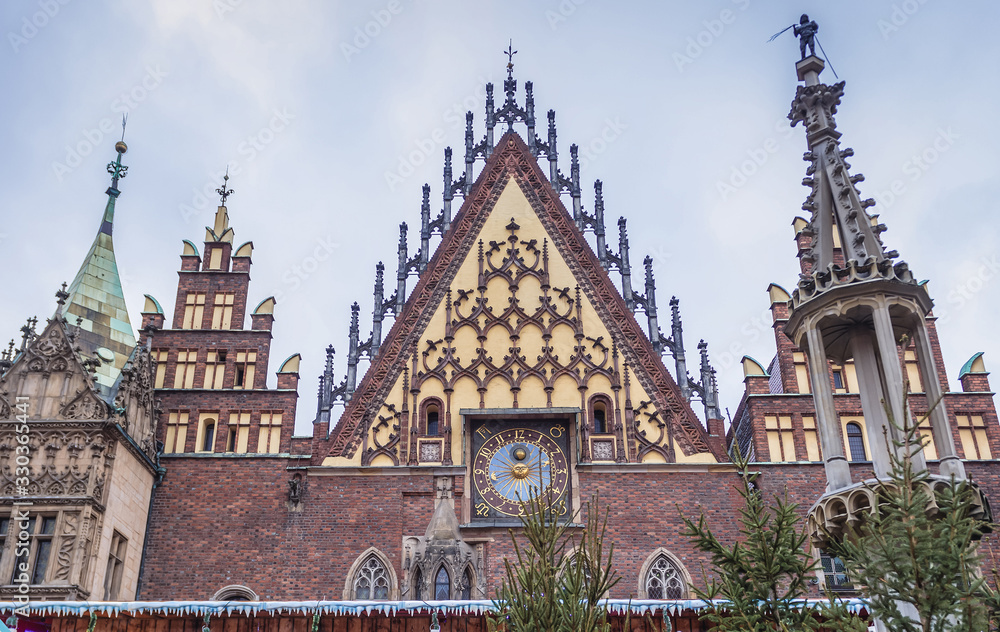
(331, 115)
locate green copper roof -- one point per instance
(96, 297)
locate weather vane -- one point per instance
(510, 52)
(806, 31)
(224, 192)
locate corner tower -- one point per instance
(855, 301)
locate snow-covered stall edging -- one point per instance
(638, 607)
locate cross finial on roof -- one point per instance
(62, 295)
(510, 52)
(224, 192)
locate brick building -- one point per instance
(515, 360)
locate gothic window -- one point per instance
(664, 579)
(972, 432)
(215, 368)
(465, 590)
(176, 437)
(239, 432)
(222, 310)
(160, 358)
(245, 361)
(418, 584)
(432, 417)
(442, 585)
(4, 532)
(269, 439)
(116, 564)
(856, 442)
(184, 375)
(194, 310)
(371, 580)
(600, 414)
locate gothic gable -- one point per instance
(52, 378)
(515, 311)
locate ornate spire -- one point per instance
(96, 294)
(845, 245)
(352, 352)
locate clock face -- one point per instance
(512, 460)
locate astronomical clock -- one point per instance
(511, 459)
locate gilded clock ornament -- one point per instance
(512, 462)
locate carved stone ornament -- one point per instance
(407, 343)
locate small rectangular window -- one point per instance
(245, 361)
(116, 565)
(269, 439)
(215, 369)
(176, 433)
(160, 357)
(187, 361)
(194, 310)
(222, 311)
(835, 574)
(239, 432)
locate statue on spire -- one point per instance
(806, 32)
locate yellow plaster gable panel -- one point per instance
(504, 318)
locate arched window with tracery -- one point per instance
(371, 581)
(664, 579)
(442, 584)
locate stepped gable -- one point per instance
(512, 159)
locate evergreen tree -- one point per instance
(558, 578)
(761, 581)
(915, 557)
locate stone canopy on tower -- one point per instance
(515, 312)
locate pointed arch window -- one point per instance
(418, 584)
(465, 590)
(442, 584)
(371, 581)
(664, 580)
